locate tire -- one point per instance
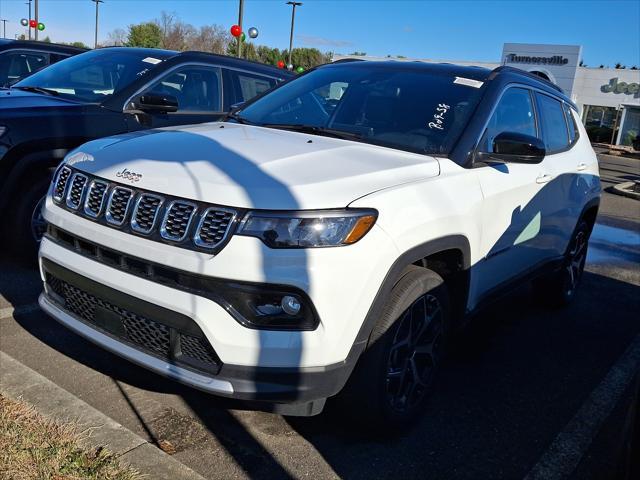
(559, 289)
(394, 376)
(26, 236)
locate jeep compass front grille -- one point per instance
(161, 218)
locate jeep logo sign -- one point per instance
(554, 60)
(621, 87)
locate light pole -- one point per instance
(35, 12)
(95, 41)
(4, 27)
(240, 13)
(293, 19)
(29, 18)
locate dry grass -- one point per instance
(32, 447)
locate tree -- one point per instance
(46, 39)
(620, 66)
(210, 38)
(116, 38)
(148, 35)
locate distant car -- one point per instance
(21, 58)
(104, 92)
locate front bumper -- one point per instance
(294, 391)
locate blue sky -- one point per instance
(609, 31)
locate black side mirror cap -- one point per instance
(150, 102)
(513, 147)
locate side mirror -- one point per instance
(152, 103)
(512, 147)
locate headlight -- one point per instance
(305, 229)
(3, 130)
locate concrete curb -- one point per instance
(624, 189)
(19, 382)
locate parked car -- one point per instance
(104, 92)
(328, 237)
(21, 58)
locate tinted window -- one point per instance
(197, 89)
(571, 124)
(413, 109)
(15, 66)
(552, 121)
(248, 86)
(514, 113)
(96, 75)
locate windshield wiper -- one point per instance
(314, 130)
(237, 118)
(46, 91)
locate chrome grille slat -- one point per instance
(60, 185)
(165, 219)
(213, 227)
(146, 212)
(76, 190)
(94, 201)
(177, 220)
(118, 205)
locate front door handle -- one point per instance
(544, 178)
(582, 166)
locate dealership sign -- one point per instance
(554, 60)
(621, 87)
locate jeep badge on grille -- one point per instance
(129, 175)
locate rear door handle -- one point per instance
(544, 178)
(582, 166)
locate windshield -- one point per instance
(93, 76)
(406, 108)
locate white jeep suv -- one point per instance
(327, 236)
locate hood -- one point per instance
(12, 99)
(251, 167)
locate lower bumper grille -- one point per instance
(167, 342)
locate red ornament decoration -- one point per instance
(280, 64)
(236, 30)
(33, 23)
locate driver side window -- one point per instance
(514, 113)
(197, 89)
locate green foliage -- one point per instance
(79, 45)
(148, 35)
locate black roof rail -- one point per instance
(518, 71)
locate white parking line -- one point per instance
(9, 312)
(564, 454)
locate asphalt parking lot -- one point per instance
(516, 378)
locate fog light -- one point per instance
(290, 305)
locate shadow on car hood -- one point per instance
(252, 167)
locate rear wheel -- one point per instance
(559, 288)
(395, 375)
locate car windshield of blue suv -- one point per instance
(412, 109)
(92, 77)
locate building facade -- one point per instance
(608, 98)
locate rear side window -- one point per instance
(553, 123)
(15, 66)
(248, 86)
(571, 124)
(514, 113)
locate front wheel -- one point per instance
(28, 222)
(395, 375)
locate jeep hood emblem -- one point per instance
(129, 175)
